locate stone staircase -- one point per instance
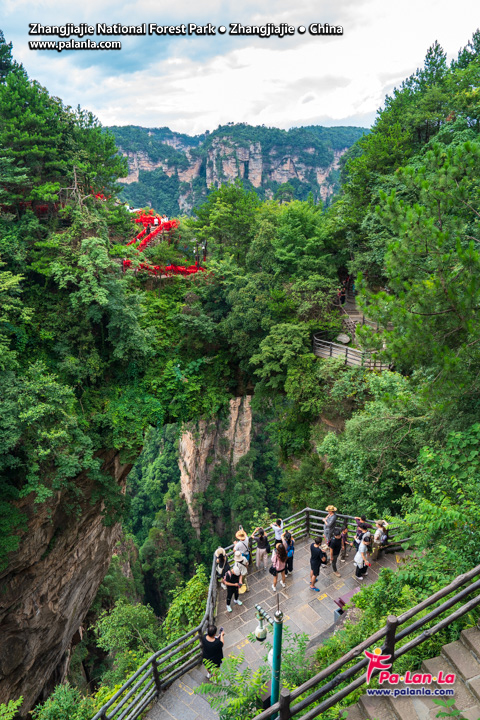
(462, 658)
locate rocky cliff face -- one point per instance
(264, 158)
(49, 587)
(208, 443)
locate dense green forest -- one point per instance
(95, 358)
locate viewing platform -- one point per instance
(168, 677)
(304, 611)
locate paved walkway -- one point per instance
(304, 611)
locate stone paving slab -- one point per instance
(304, 611)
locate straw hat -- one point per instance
(331, 508)
(241, 535)
(219, 551)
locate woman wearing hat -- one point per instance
(330, 521)
(222, 565)
(377, 538)
(242, 564)
(241, 545)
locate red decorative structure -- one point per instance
(160, 225)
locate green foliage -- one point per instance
(233, 692)
(128, 627)
(66, 703)
(188, 605)
(8, 711)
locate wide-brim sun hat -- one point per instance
(331, 508)
(219, 551)
(241, 535)
(238, 556)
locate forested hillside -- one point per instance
(175, 171)
(98, 361)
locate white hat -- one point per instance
(242, 570)
(219, 551)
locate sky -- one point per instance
(195, 82)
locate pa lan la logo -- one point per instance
(377, 661)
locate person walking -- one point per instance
(222, 565)
(212, 647)
(344, 535)
(335, 549)
(317, 558)
(330, 522)
(279, 560)
(277, 528)
(232, 580)
(360, 560)
(289, 545)
(263, 548)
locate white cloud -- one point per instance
(193, 84)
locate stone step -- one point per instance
(465, 699)
(376, 708)
(411, 708)
(462, 659)
(471, 640)
(354, 713)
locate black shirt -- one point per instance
(336, 545)
(212, 650)
(262, 541)
(317, 556)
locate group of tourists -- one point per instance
(337, 543)
(330, 549)
(234, 578)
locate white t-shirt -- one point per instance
(278, 530)
(358, 559)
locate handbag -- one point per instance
(272, 570)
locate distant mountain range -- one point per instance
(172, 171)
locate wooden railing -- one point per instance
(171, 662)
(351, 356)
(352, 319)
(318, 688)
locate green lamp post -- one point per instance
(276, 652)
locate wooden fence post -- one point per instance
(389, 644)
(156, 676)
(284, 702)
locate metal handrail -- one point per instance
(288, 711)
(141, 688)
(364, 358)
